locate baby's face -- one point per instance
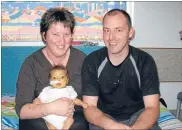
(60, 76)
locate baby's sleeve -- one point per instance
(43, 95)
(72, 92)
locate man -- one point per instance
(120, 82)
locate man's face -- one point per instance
(116, 33)
(61, 78)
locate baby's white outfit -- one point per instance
(50, 94)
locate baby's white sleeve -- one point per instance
(72, 92)
(43, 95)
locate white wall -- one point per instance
(157, 25)
(169, 92)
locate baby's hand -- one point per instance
(80, 103)
(37, 101)
(85, 105)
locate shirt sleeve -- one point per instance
(74, 71)
(72, 92)
(90, 86)
(25, 86)
(43, 95)
(149, 77)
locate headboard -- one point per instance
(169, 63)
(12, 59)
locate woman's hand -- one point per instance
(62, 107)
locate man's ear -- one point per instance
(131, 33)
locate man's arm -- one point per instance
(151, 113)
(97, 117)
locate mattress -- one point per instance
(9, 118)
(167, 120)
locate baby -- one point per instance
(58, 89)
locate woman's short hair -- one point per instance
(54, 15)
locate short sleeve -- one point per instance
(90, 86)
(149, 77)
(43, 96)
(72, 92)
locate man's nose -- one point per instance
(112, 35)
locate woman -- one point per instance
(56, 29)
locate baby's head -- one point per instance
(58, 77)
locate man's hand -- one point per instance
(119, 126)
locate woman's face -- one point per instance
(58, 39)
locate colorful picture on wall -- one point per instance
(20, 20)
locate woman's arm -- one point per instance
(31, 110)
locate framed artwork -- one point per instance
(20, 20)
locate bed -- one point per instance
(10, 120)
